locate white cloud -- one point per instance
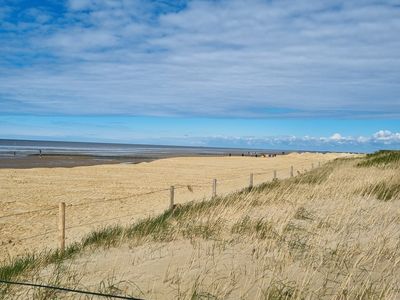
(386, 136)
(80, 39)
(208, 58)
(336, 137)
(380, 139)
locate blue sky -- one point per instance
(307, 74)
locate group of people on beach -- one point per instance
(255, 154)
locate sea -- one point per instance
(10, 148)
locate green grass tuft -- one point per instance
(154, 227)
(382, 158)
(108, 236)
(260, 228)
(316, 176)
(266, 186)
(17, 266)
(207, 230)
(383, 190)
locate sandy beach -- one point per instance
(101, 195)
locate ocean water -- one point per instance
(10, 148)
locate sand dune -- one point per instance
(106, 194)
(330, 234)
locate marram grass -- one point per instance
(383, 158)
(331, 233)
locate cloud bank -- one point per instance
(201, 58)
(383, 139)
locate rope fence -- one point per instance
(29, 212)
(99, 222)
(212, 184)
(117, 199)
(36, 236)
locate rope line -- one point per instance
(93, 202)
(67, 289)
(100, 221)
(37, 235)
(82, 204)
(72, 227)
(118, 199)
(178, 186)
(29, 212)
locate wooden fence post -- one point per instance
(319, 164)
(291, 171)
(312, 166)
(172, 196)
(275, 175)
(61, 226)
(214, 189)
(251, 180)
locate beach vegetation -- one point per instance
(383, 190)
(317, 175)
(382, 158)
(308, 237)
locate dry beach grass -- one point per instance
(119, 193)
(331, 233)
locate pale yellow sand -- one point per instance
(107, 194)
(326, 235)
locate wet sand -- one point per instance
(68, 161)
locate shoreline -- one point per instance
(68, 161)
(24, 154)
(80, 160)
(55, 160)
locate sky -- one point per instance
(306, 74)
